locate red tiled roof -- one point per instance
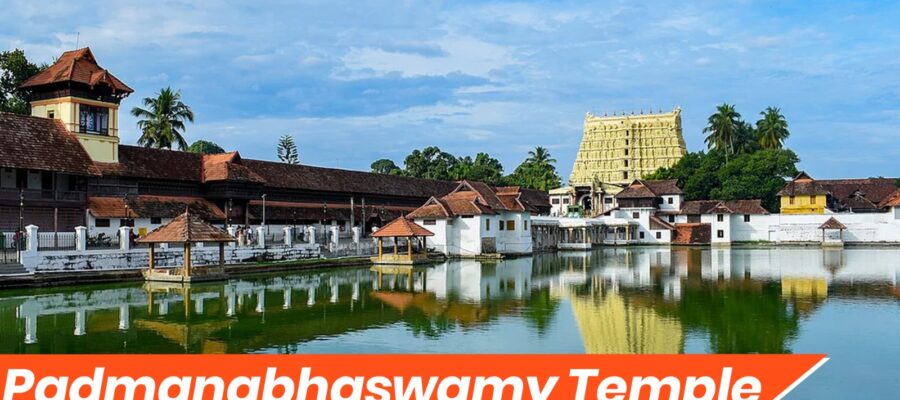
(402, 227)
(187, 228)
(832, 223)
(41, 144)
(640, 189)
(227, 167)
(860, 193)
(656, 223)
(893, 200)
(803, 185)
(475, 198)
(143, 162)
(696, 207)
(145, 206)
(77, 66)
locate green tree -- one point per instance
(483, 168)
(772, 128)
(287, 150)
(205, 147)
(15, 69)
(162, 121)
(536, 172)
(723, 129)
(386, 166)
(430, 163)
(756, 176)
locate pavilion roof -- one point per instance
(402, 227)
(187, 228)
(832, 223)
(77, 66)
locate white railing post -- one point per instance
(335, 236)
(311, 234)
(31, 239)
(261, 236)
(356, 234)
(288, 236)
(125, 238)
(233, 232)
(80, 239)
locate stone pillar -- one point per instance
(80, 238)
(125, 238)
(357, 234)
(80, 319)
(287, 299)
(124, 317)
(311, 234)
(335, 235)
(261, 301)
(261, 236)
(232, 230)
(288, 236)
(31, 239)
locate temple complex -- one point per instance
(615, 150)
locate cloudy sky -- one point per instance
(357, 81)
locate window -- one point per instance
(626, 163)
(791, 200)
(468, 216)
(746, 217)
(502, 225)
(626, 142)
(720, 233)
(51, 114)
(670, 200)
(510, 225)
(626, 152)
(812, 199)
(659, 235)
(487, 224)
(566, 201)
(635, 215)
(671, 218)
(607, 200)
(155, 220)
(429, 222)
(525, 225)
(641, 235)
(102, 223)
(625, 175)
(720, 217)
(93, 119)
(554, 200)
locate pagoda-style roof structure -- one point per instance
(186, 229)
(402, 228)
(77, 66)
(832, 223)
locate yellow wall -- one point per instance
(803, 204)
(101, 148)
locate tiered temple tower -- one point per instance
(620, 149)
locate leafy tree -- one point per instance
(287, 150)
(536, 172)
(387, 167)
(205, 147)
(772, 128)
(430, 163)
(722, 128)
(483, 169)
(162, 121)
(756, 176)
(15, 69)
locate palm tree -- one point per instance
(723, 129)
(772, 128)
(540, 156)
(162, 122)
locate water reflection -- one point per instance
(623, 300)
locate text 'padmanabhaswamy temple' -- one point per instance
(615, 150)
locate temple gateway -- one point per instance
(616, 150)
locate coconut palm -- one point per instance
(540, 156)
(162, 122)
(772, 128)
(722, 128)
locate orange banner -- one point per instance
(404, 377)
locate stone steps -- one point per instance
(12, 269)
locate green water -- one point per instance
(845, 303)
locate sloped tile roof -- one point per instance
(696, 207)
(146, 206)
(642, 189)
(77, 66)
(832, 223)
(187, 228)
(227, 167)
(402, 227)
(143, 162)
(657, 223)
(41, 144)
(893, 200)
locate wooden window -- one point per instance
(635, 215)
(525, 225)
(510, 225)
(625, 175)
(554, 200)
(671, 218)
(51, 114)
(626, 152)
(626, 163)
(641, 235)
(126, 222)
(746, 217)
(791, 200)
(429, 222)
(812, 199)
(659, 235)
(487, 224)
(502, 225)
(607, 200)
(720, 217)
(720, 233)
(93, 119)
(155, 220)
(101, 222)
(566, 201)
(670, 200)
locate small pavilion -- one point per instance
(186, 229)
(832, 225)
(402, 228)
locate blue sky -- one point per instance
(358, 81)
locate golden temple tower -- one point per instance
(620, 149)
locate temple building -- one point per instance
(64, 167)
(616, 150)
